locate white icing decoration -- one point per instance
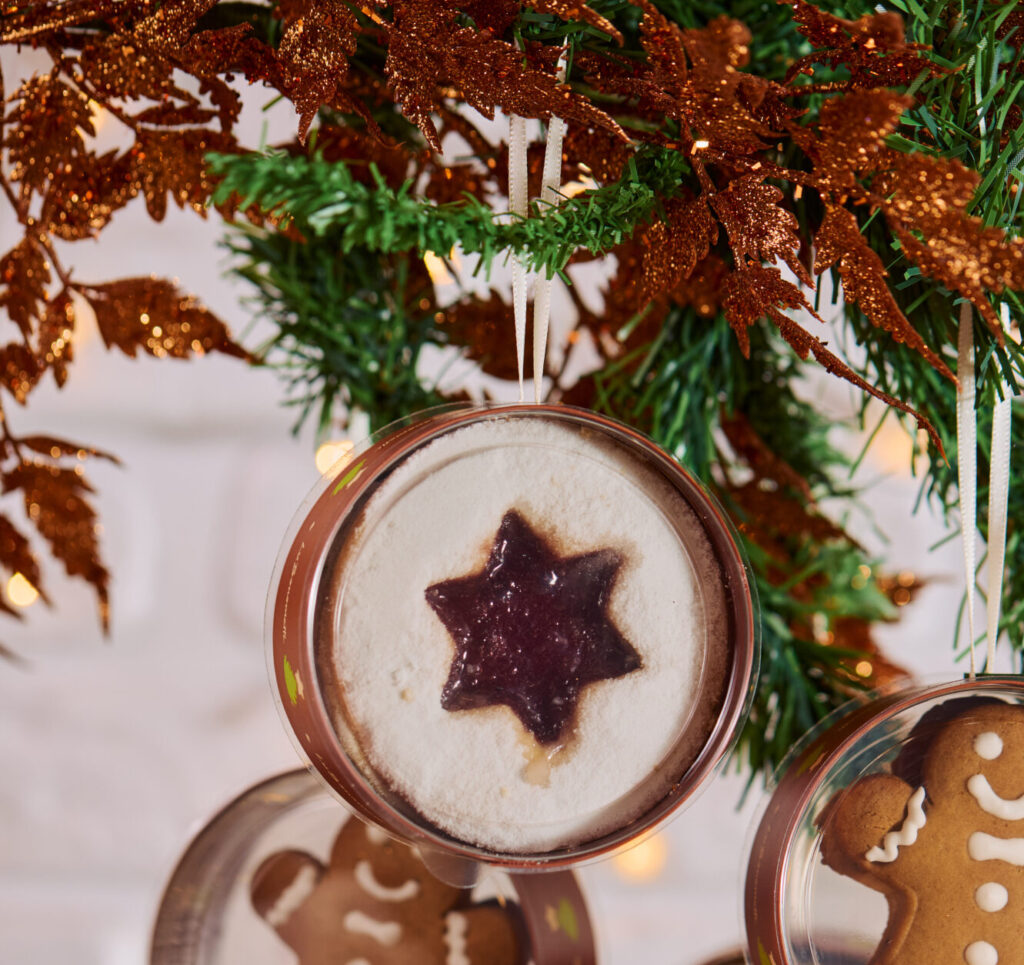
(905, 835)
(987, 847)
(980, 953)
(988, 745)
(368, 882)
(292, 897)
(385, 932)
(991, 896)
(992, 803)
(455, 927)
(358, 961)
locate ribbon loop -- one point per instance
(966, 458)
(517, 200)
(518, 192)
(967, 481)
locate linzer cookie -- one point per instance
(513, 632)
(375, 902)
(945, 848)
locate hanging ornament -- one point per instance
(895, 834)
(516, 634)
(916, 796)
(513, 634)
(282, 874)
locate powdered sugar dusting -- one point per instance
(435, 519)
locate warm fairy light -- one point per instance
(328, 454)
(864, 668)
(20, 592)
(901, 597)
(437, 269)
(701, 144)
(644, 862)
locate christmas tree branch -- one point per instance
(320, 197)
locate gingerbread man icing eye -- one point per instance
(988, 745)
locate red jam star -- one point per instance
(531, 630)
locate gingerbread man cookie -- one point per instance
(376, 904)
(946, 849)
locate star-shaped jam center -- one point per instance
(531, 630)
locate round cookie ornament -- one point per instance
(474, 619)
(895, 835)
(283, 875)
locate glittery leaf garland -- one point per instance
(127, 58)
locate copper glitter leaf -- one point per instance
(806, 344)
(24, 273)
(873, 49)
(430, 56)
(572, 10)
(673, 247)
(338, 142)
(712, 104)
(81, 199)
(44, 129)
(228, 51)
(761, 292)
(969, 260)
(756, 292)
(19, 370)
(925, 202)
(840, 243)
(756, 454)
(851, 633)
(483, 328)
(773, 516)
(603, 155)
(55, 502)
(115, 66)
(54, 448)
(172, 163)
(23, 21)
(758, 228)
(172, 24)
(151, 315)
(703, 288)
(452, 182)
(175, 115)
(54, 337)
(853, 129)
(662, 42)
(723, 45)
(16, 556)
(493, 15)
(928, 190)
(319, 37)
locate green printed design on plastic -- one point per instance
(291, 684)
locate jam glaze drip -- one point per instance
(531, 630)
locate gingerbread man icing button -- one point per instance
(942, 838)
